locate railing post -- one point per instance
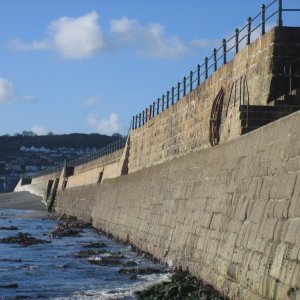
(136, 121)
(168, 98)
(163, 102)
(172, 101)
(249, 31)
(140, 119)
(150, 112)
(198, 75)
(263, 19)
(146, 114)
(178, 90)
(280, 22)
(237, 32)
(153, 109)
(215, 59)
(157, 109)
(143, 117)
(191, 80)
(224, 51)
(206, 67)
(133, 121)
(184, 86)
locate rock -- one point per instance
(9, 286)
(142, 271)
(9, 228)
(88, 253)
(182, 287)
(130, 263)
(95, 245)
(18, 260)
(23, 239)
(107, 260)
(63, 233)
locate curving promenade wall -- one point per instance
(230, 215)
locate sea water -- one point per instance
(50, 271)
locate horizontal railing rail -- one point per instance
(106, 150)
(228, 49)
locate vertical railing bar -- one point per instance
(153, 109)
(168, 98)
(249, 31)
(237, 31)
(206, 67)
(280, 22)
(172, 101)
(191, 81)
(224, 51)
(198, 75)
(263, 19)
(178, 91)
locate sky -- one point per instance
(90, 65)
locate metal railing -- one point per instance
(220, 56)
(106, 150)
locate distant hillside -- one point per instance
(74, 140)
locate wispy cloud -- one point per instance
(204, 43)
(39, 130)
(151, 41)
(72, 38)
(107, 126)
(90, 101)
(7, 93)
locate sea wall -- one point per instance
(38, 185)
(96, 170)
(184, 127)
(230, 214)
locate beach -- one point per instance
(30, 204)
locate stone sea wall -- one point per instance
(184, 127)
(230, 214)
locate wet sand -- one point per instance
(21, 200)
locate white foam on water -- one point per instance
(124, 293)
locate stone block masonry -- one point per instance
(184, 127)
(230, 215)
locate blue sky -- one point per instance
(90, 65)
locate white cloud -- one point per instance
(204, 43)
(105, 126)
(151, 40)
(39, 130)
(73, 38)
(90, 101)
(7, 93)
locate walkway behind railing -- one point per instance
(228, 49)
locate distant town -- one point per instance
(27, 153)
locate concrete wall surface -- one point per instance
(38, 185)
(230, 215)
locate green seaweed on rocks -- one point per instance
(181, 287)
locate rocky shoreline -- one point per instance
(181, 285)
